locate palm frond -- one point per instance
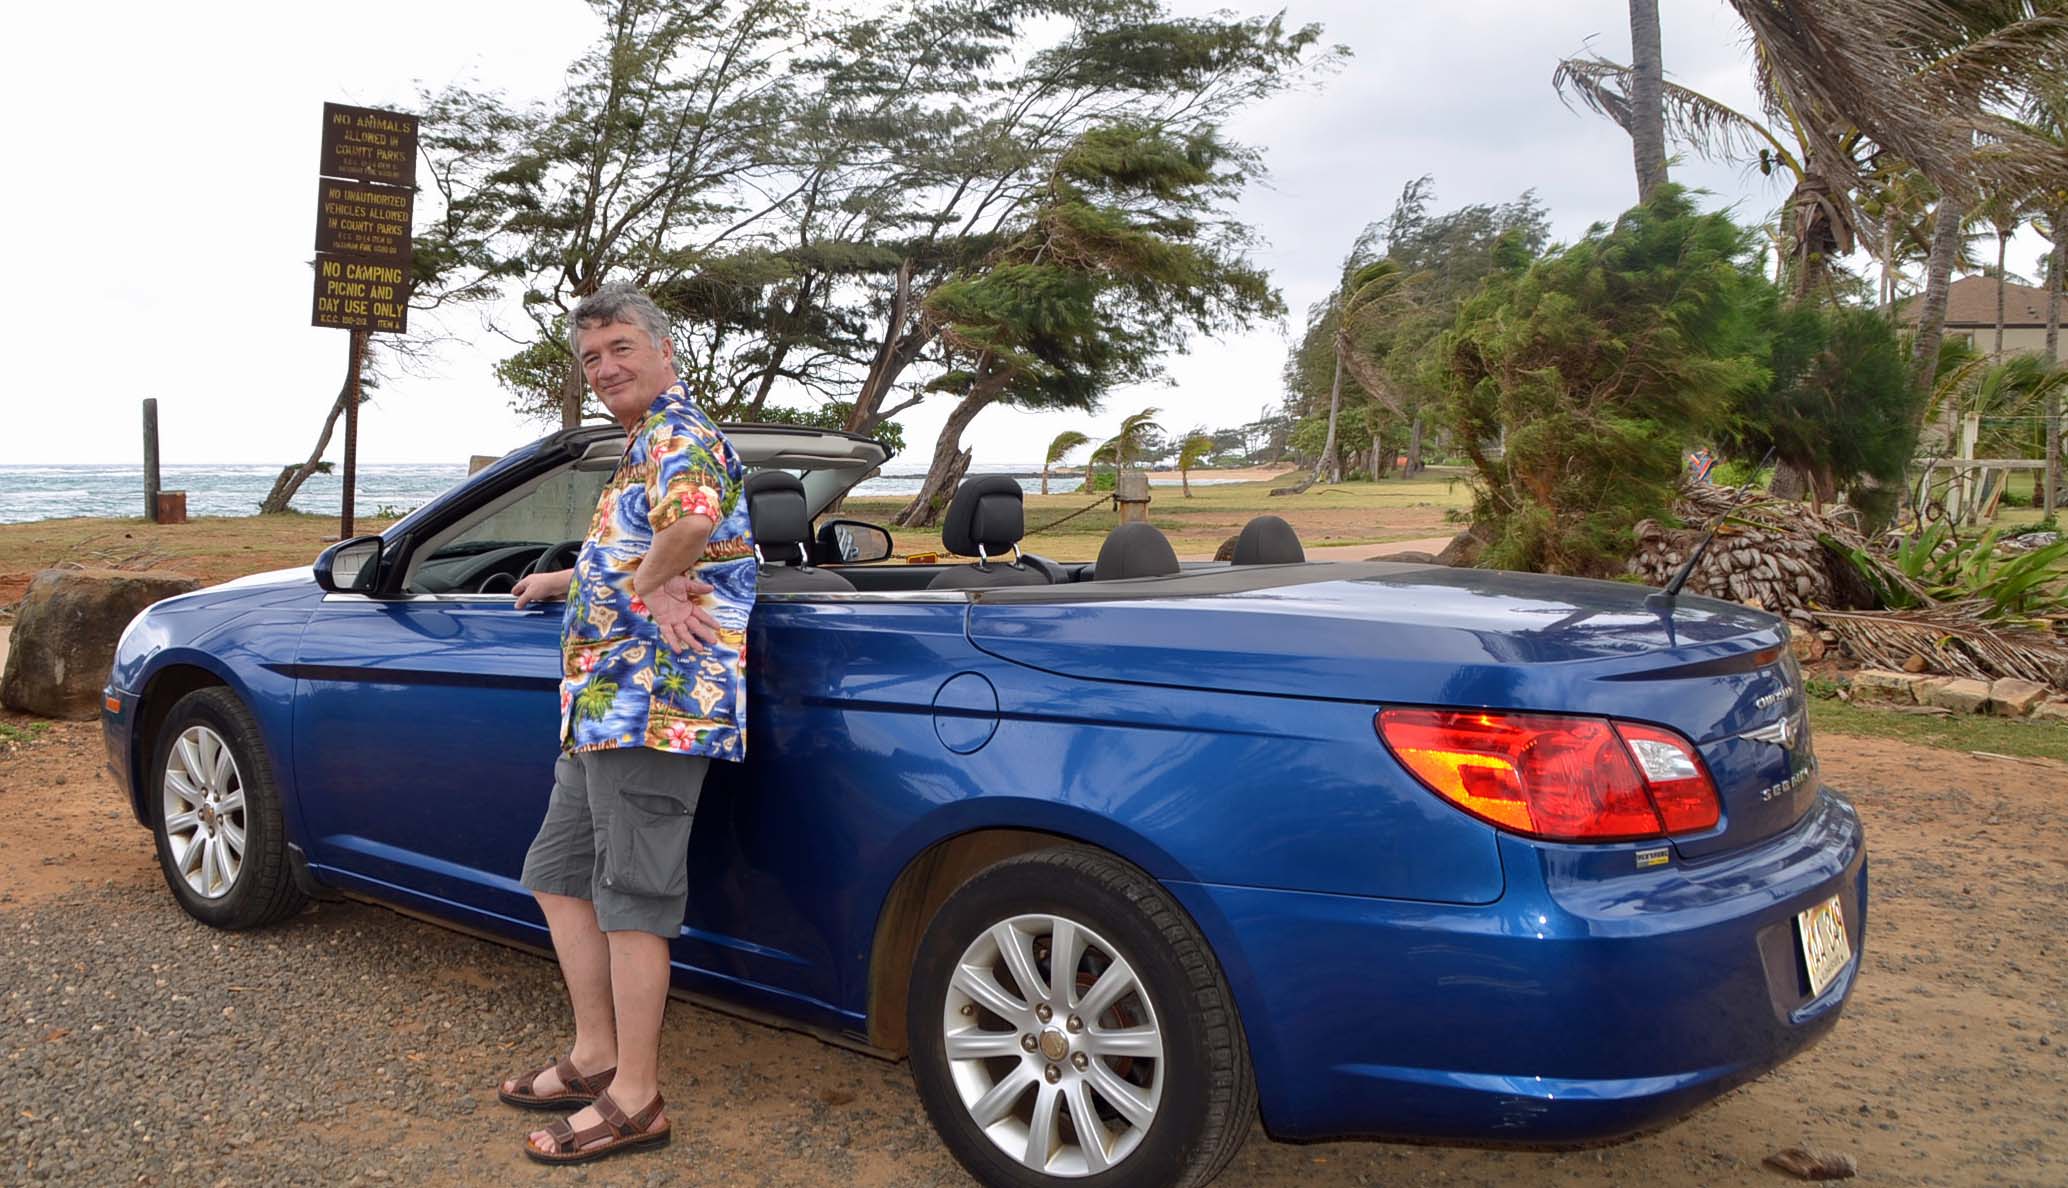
(1067, 440)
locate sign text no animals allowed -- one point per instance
(364, 144)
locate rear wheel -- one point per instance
(221, 842)
(1069, 1025)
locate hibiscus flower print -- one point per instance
(681, 736)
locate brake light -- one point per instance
(1556, 777)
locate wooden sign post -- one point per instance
(365, 202)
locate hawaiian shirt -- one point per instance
(621, 685)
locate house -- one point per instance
(1971, 314)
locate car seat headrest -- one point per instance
(988, 513)
(1134, 550)
(1268, 540)
(776, 512)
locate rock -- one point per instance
(65, 631)
(1962, 696)
(2010, 697)
(1915, 663)
(1881, 685)
(1804, 643)
(1463, 549)
(2051, 711)
(1415, 556)
(1805, 1164)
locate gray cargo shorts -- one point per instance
(616, 833)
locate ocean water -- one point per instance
(37, 492)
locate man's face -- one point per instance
(624, 367)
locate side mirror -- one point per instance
(349, 566)
(851, 542)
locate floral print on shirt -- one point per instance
(621, 685)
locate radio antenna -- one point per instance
(1695, 558)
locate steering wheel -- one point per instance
(496, 583)
(560, 556)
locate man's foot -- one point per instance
(558, 1086)
(599, 1130)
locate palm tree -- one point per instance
(1131, 440)
(1191, 452)
(2003, 213)
(1647, 122)
(1067, 440)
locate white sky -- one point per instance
(160, 172)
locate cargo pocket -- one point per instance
(649, 844)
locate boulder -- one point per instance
(2051, 711)
(1412, 556)
(1462, 551)
(64, 635)
(1871, 685)
(1961, 696)
(2010, 697)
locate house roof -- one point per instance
(1971, 302)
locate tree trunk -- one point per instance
(949, 458)
(1931, 309)
(1789, 481)
(1185, 482)
(2003, 243)
(2058, 224)
(1414, 448)
(1647, 104)
(897, 350)
(1044, 478)
(571, 389)
(292, 477)
(1326, 463)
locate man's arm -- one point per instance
(542, 587)
(684, 625)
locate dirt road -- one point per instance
(353, 1045)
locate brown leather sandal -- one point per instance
(576, 1090)
(572, 1146)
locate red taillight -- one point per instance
(1554, 777)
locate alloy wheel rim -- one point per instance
(203, 806)
(1053, 1045)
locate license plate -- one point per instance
(1825, 948)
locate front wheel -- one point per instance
(1069, 1024)
(221, 841)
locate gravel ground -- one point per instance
(354, 1045)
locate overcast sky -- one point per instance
(161, 165)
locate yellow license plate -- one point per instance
(1825, 948)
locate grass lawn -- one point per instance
(1959, 732)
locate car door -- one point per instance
(426, 719)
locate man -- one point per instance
(653, 689)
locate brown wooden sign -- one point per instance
(360, 293)
(364, 144)
(357, 219)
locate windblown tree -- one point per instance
(1193, 450)
(1600, 363)
(1124, 258)
(1368, 367)
(1059, 448)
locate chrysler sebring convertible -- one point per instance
(1120, 853)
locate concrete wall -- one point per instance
(2017, 340)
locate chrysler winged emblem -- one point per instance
(1780, 733)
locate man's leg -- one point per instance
(559, 871)
(639, 990)
(585, 964)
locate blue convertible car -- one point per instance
(1120, 854)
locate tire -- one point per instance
(1198, 1087)
(212, 787)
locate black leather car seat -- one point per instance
(1134, 550)
(986, 520)
(1268, 540)
(782, 528)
